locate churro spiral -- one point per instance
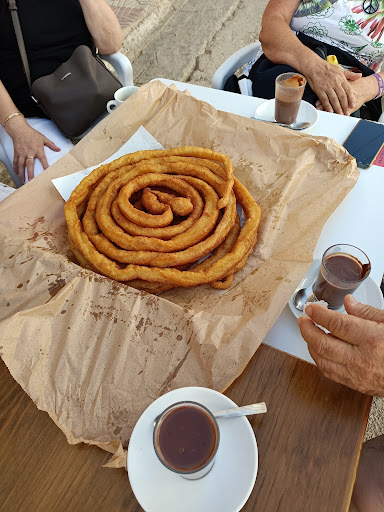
(149, 217)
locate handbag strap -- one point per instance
(20, 40)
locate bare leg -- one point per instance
(368, 493)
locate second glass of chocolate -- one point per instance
(289, 90)
(343, 268)
(186, 438)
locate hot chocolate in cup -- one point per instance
(343, 268)
(289, 90)
(186, 438)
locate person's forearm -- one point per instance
(103, 25)
(281, 45)
(7, 107)
(371, 86)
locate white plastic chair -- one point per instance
(238, 59)
(123, 67)
(233, 63)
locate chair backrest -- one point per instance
(233, 63)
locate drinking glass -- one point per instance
(288, 96)
(186, 438)
(343, 268)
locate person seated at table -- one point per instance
(352, 353)
(298, 35)
(51, 30)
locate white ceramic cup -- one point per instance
(120, 96)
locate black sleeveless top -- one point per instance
(52, 29)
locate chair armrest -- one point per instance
(233, 63)
(122, 65)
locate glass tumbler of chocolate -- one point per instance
(343, 268)
(186, 439)
(289, 90)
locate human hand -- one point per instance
(28, 144)
(364, 89)
(352, 353)
(332, 85)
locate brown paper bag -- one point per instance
(95, 353)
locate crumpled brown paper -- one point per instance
(95, 353)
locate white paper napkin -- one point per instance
(140, 141)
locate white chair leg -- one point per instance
(122, 66)
(4, 158)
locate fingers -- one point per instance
(43, 159)
(30, 165)
(26, 165)
(331, 85)
(19, 166)
(362, 310)
(50, 145)
(351, 75)
(325, 102)
(324, 346)
(341, 374)
(340, 361)
(346, 327)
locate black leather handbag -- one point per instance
(75, 95)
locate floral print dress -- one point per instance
(355, 26)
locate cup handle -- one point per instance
(112, 105)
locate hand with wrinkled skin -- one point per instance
(333, 86)
(27, 142)
(352, 353)
(281, 46)
(364, 89)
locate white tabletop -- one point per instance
(357, 220)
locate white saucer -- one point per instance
(307, 112)
(227, 486)
(367, 293)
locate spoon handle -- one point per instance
(245, 410)
(273, 122)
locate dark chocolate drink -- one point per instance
(339, 275)
(186, 438)
(289, 89)
(286, 111)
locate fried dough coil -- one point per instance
(187, 211)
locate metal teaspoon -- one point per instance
(303, 296)
(294, 126)
(245, 410)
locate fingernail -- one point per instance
(352, 300)
(308, 310)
